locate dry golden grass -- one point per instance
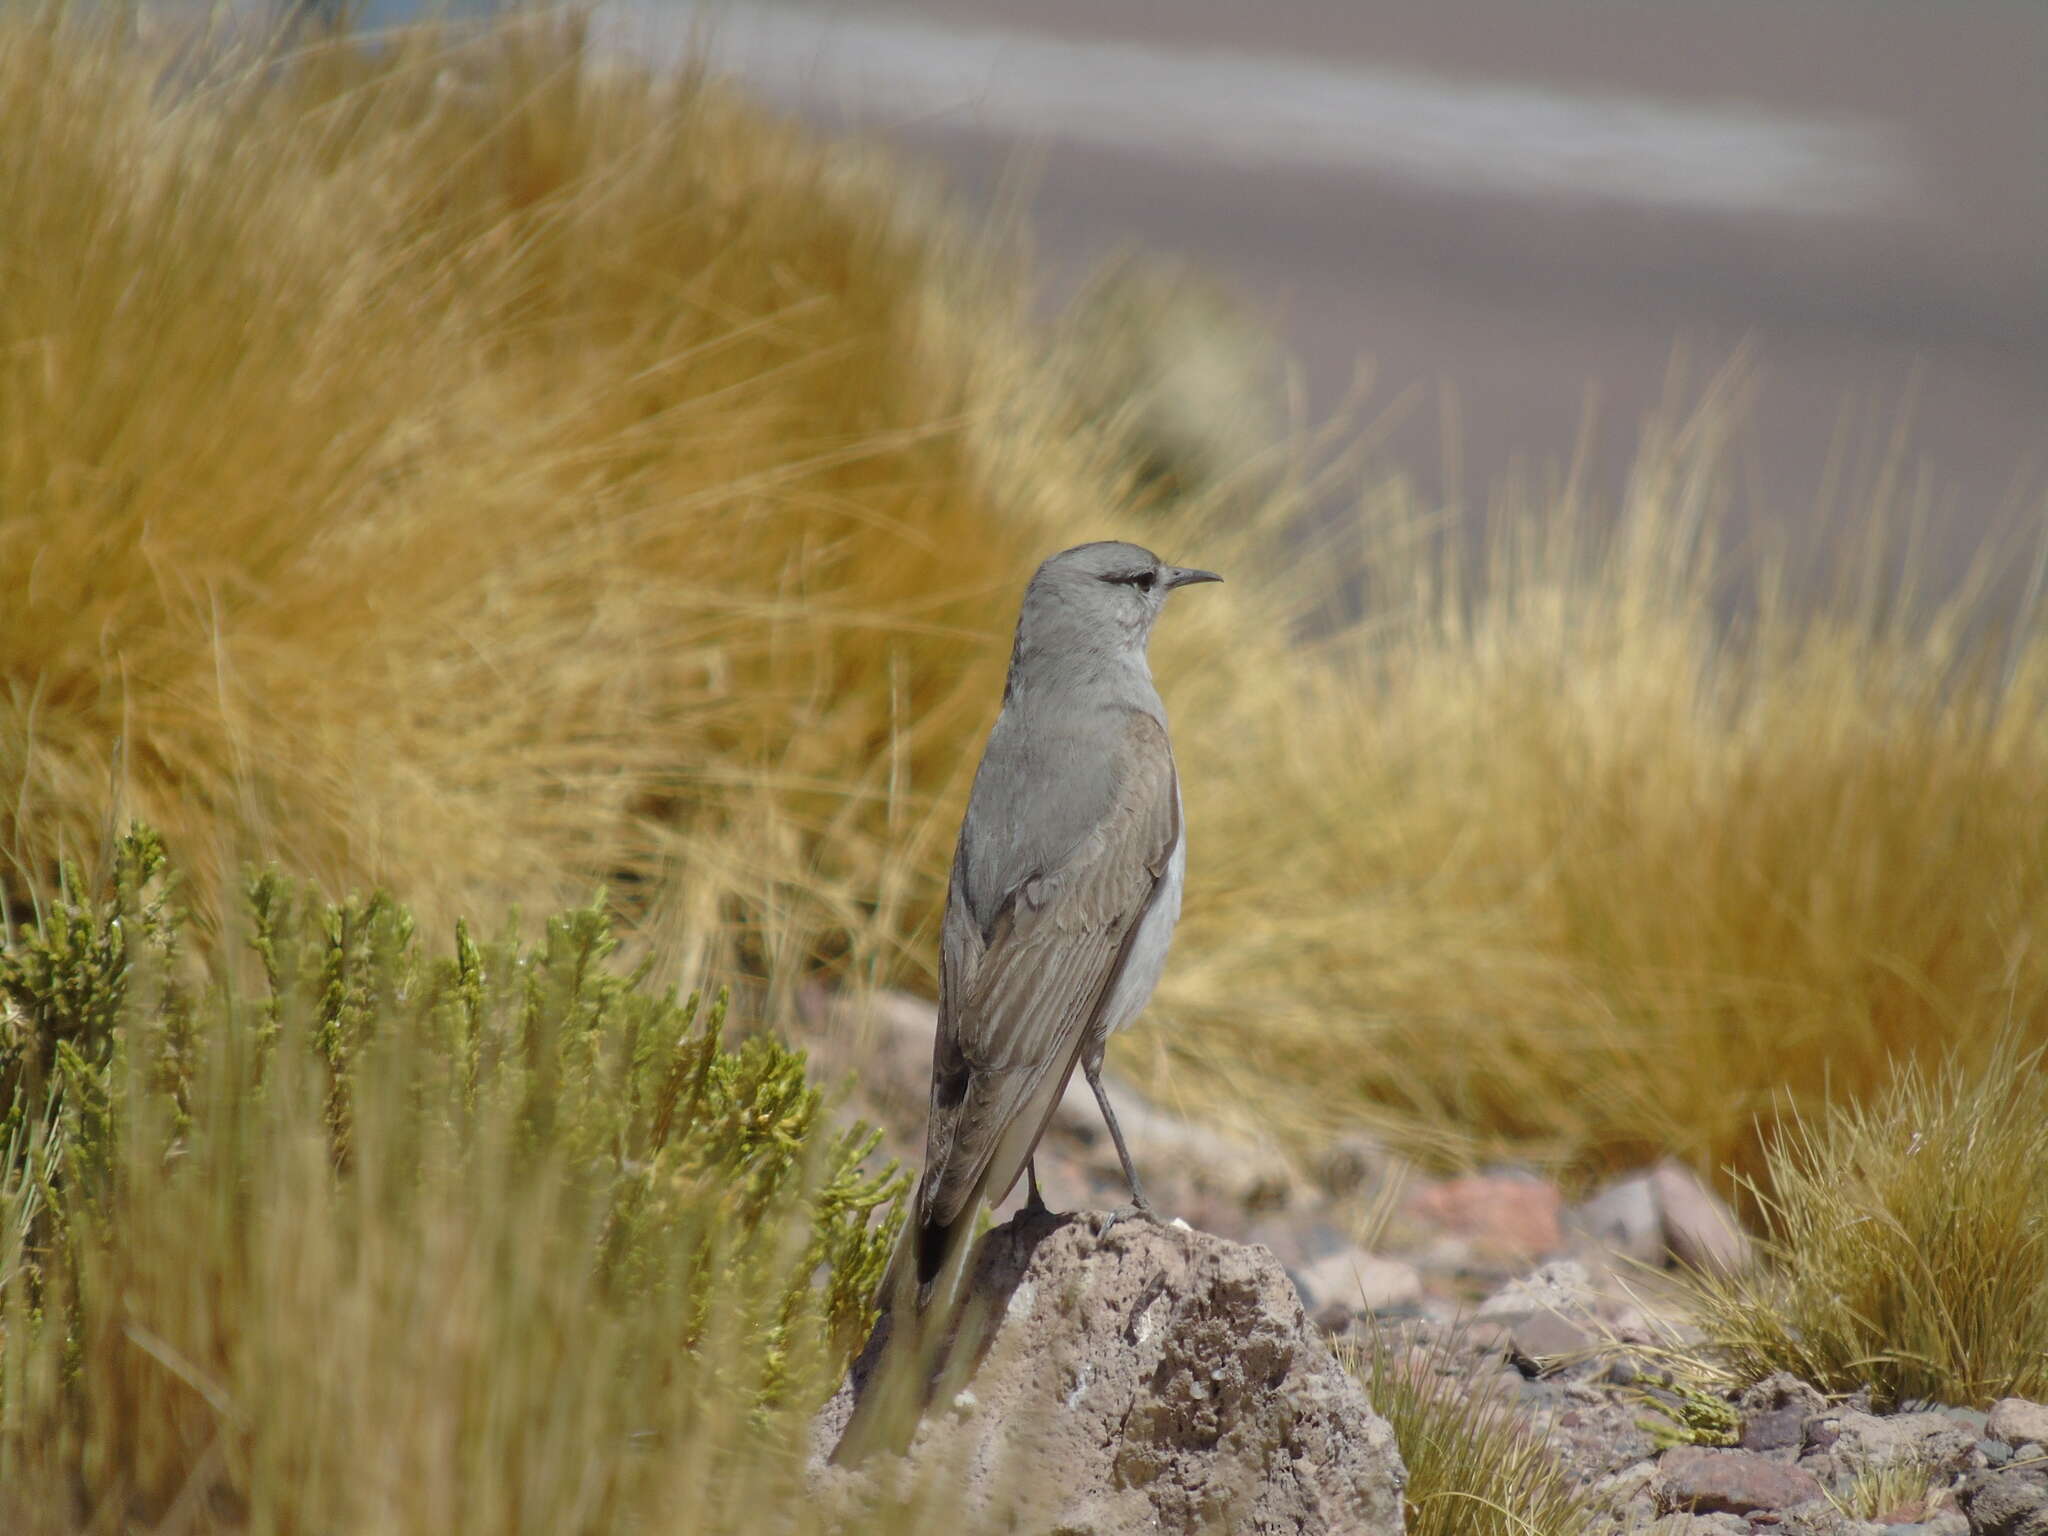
(1907, 1243)
(1558, 861)
(474, 471)
(1476, 1465)
(1896, 1495)
(465, 471)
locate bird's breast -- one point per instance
(1145, 960)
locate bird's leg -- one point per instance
(1139, 1206)
(1034, 1202)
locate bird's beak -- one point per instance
(1182, 576)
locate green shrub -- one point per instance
(250, 1226)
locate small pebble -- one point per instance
(1996, 1453)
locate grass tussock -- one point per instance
(1894, 1495)
(1906, 1243)
(1475, 1466)
(473, 470)
(469, 469)
(491, 1239)
(1563, 861)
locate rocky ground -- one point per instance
(1793, 1461)
(1557, 1306)
(1137, 1378)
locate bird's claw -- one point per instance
(1137, 1210)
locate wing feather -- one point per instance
(1015, 1008)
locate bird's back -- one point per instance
(1048, 777)
(1072, 828)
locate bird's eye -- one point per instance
(1142, 580)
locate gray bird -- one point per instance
(1065, 890)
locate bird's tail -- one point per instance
(924, 1289)
(919, 1300)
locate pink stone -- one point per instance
(1504, 1214)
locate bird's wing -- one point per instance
(1014, 1008)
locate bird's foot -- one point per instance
(1137, 1210)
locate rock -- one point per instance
(1774, 1414)
(1775, 1431)
(1443, 1253)
(1486, 1336)
(1996, 1453)
(1818, 1517)
(1545, 1316)
(1699, 1229)
(1622, 1371)
(2017, 1421)
(1563, 1287)
(1511, 1215)
(1698, 1525)
(1629, 1491)
(1703, 1481)
(1151, 1379)
(2012, 1502)
(1931, 1441)
(1601, 1438)
(1822, 1431)
(1354, 1282)
(1624, 1217)
(1538, 1342)
(1629, 1323)
(1296, 1239)
(1547, 1321)
(1781, 1389)
(1906, 1508)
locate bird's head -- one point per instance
(1098, 600)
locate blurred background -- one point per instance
(1527, 225)
(1500, 234)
